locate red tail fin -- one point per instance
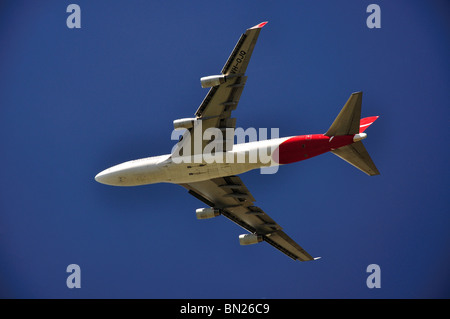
(366, 122)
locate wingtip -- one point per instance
(259, 26)
(317, 258)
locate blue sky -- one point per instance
(76, 101)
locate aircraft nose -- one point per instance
(110, 176)
(102, 177)
(114, 176)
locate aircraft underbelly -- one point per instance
(195, 172)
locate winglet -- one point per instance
(259, 26)
(316, 258)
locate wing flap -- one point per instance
(288, 246)
(222, 98)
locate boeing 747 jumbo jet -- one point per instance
(206, 161)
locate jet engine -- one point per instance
(212, 80)
(186, 123)
(250, 239)
(205, 213)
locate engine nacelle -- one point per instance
(186, 123)
(205, 213)
(250, 239)
(212, 80)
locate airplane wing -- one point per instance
(234, 201)
(221, 100)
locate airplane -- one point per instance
(215, 182)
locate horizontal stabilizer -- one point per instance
(347, 122)
(356, 154)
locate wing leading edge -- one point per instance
(232, 198)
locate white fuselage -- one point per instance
(189, 169)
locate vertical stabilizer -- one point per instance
(366, 122)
